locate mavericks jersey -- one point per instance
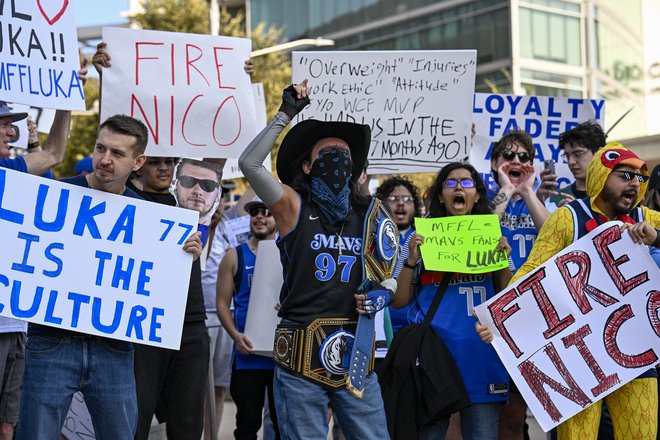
(322, 266)
(484, 375)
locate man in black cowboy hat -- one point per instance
(319, 212)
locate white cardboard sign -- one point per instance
(262, 319)
(39, 54)
(543, 117)
(579, 326)
(93, 262)
(417, 103)
(190, 90)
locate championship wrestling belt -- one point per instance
(380, 247)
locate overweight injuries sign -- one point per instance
(579, 326)
(190, 90)
(463, 243)
(417, 103)
(93, 262)
(39, 54)
(543, 117)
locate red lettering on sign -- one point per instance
(183, 122)
(576, 339)
(138, 57)
(602, 242)
(537, 379)
(578, 284)
(134, 101)
(240, 122)
(652, 306)
(218, 66)
(614, 322)
(191, 63)
(555, 325)
(500, 314)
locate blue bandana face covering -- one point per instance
(330, 178)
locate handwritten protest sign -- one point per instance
(231, 169)
(42, 117)
(579, 326)
(190, 90)
(39, 54)
(262, 319)
(417, 103)
(461, 243)
(238, 230)
(93, 262)
(78, 421)
(543, 117)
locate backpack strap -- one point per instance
(442, 288)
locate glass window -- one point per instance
(550, 37)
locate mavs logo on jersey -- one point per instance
(335, 352)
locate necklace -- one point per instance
(340, 244)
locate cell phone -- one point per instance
(549, 165)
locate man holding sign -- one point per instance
(616, 182)
(60, 362)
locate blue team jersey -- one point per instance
(399, 317)
(17, 164)
(241, 301)
(484, 375)
(518, 228)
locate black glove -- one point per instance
(291, 105)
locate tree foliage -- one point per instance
(189, 16)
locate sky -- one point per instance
(99, 12)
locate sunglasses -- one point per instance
(206, 185)
(397, 199)
(628, 175)
(453, 183)
(260, 211)
(523, 156)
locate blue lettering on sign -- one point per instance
(23, 77)
(533, 107)
(138, 314)
(50, 309)
(143, 278)
(102, 257)
(55, 259)
(57, 224)
(14, 301)
(23, 266)
(77, 299)
(86, 216)
(96, 317)
(155, 325)
(6, 214)
(5, 282)
(122, 275)
(124, 224)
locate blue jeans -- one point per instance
(302, 409)
(478, 422)
(55, 368)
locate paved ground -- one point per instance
(229, 416)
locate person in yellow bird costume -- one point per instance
(616, 182)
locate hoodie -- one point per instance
(558, 230)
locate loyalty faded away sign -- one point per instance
(579, 326)
(93, 262)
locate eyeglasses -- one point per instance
(206, 185)
(397, 199)
(629, 175)
(576, 154)
(260, 211)
(523, 156)
(453, 183)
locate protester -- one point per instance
(252, 375)
(401, 196)
(616, 182)
(521, 216)
(579, 145)
(61, 362)
(458, 190)
(319, 213)
(172, 383)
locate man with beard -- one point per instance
(172, 383)
(320, 214)
(616, 182)
(252, 375)
(402, 199)
(521, 216)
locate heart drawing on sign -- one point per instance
(58, 15)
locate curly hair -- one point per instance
(388, 186)
(438, 209)
(518, 136)
(588, 134)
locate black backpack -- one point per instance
(419, 379)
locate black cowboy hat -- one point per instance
(297, 144)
